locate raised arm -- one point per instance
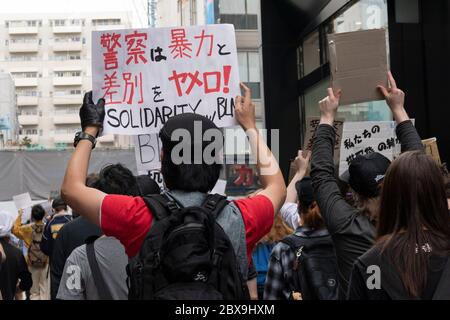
(406, 132)
(82, 199)
(301, 163)
(271, 178)
(20, 231)
(333, 207)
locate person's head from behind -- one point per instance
(413, 221)
(37, 213)
(116, 179)
(308, 209)
(146, 185)
(365, 176)
(59, 205)
(186, 168)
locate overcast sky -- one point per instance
(137, 7)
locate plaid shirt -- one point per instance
(279, 274)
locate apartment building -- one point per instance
(49, 58)
(9, 127)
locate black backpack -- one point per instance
(186, 255)
(315, 267)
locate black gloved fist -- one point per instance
(92, 115)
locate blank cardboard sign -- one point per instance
(358, 63)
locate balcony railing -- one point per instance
(27, 100)
(67, 98)
(28, 120)
(67, 81)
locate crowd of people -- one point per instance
(379, 231)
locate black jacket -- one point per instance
(352, 233)
(13, 269)
(373, 264)
(72, 235)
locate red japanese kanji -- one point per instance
(110, 42)
(132, 82)
(136, 47)
(202, 37)
(180, 45)
(109, 87)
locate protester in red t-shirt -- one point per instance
(129, 219)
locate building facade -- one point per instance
(49, 59)
(9, 127)
(295, 55)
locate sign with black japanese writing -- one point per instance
(361, 138)
(147, 76)
(311, 126)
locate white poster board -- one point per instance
(364, 137)
(147, 148)
(23, 202)
(149, 75)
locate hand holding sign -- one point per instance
(395, 98)
(328, 107)
(245, 109)
(91, 114)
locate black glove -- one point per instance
(92, 115)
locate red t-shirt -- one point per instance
(129, 220)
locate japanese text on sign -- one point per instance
(311, 127)
(360, 138)
(149, 75)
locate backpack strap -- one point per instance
(99, 281)
(443, 291)
(215, 203)
(160, 205)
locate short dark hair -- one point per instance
(188, 176)
(116, 179)
(59, 204)
(147, 185)
(37, 212)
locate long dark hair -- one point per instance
(414, 221)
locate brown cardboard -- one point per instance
(431, 148)
(358, 63)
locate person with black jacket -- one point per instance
(411, 258)
(353, 229)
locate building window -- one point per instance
(67, 56)
(19, 75)
(250, 71)
(105, 22)
(243, 14)
(309, 54)
(61, 74)
(187, 12)
(361, 15)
